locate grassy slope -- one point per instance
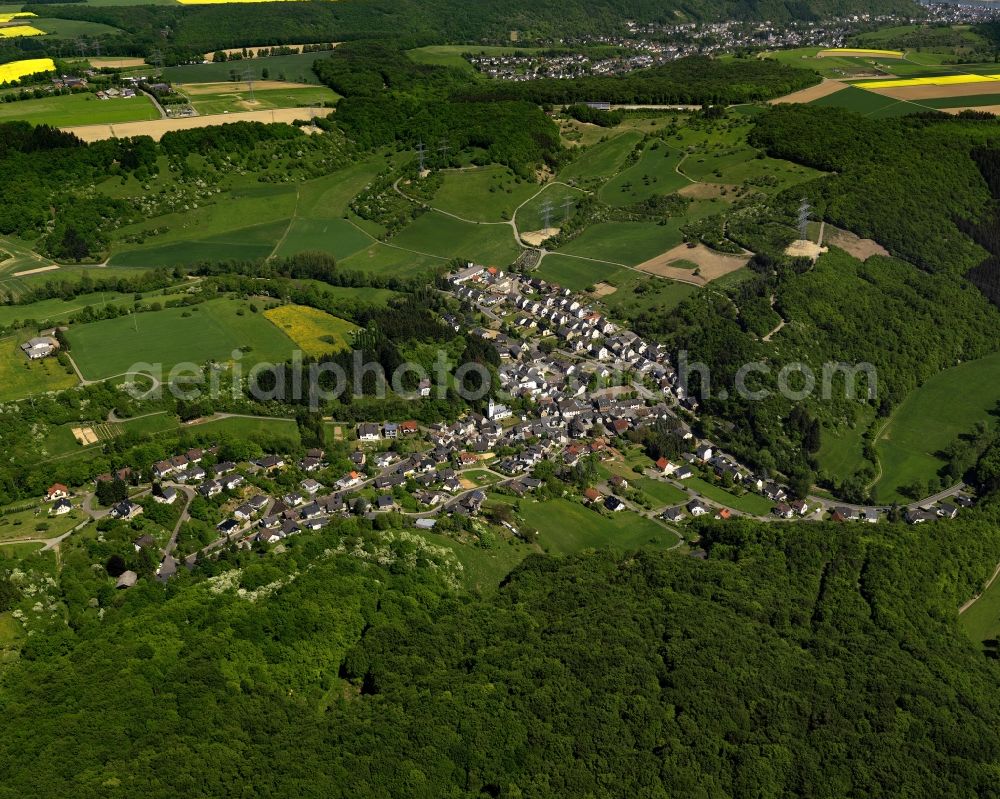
(566, 527)
(210, 331)
(919, 428)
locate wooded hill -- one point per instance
(798, 660)
(198, 29)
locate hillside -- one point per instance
(801, 661)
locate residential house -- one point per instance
(697, 508)
(56, 491)
(369, 431)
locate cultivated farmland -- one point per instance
(16, 70)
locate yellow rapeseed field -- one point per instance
(860, 51)
(315, 332)
(19, 69)
(16, 15)
(19, 30)
(938, 80)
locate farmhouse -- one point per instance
(40, 347)
(56, 491)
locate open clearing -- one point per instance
(981, 621)
(710, 264)
(155, 129)
(654, 173)
(315, 331)
(567, 527)
(907, 447)
(210, 331)
(628, 243)
(483, 195)
(852, 244)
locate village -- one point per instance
(578, 391)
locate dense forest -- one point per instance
(796, 660)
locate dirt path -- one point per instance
(288, 227)
(781, 324)
(977, 597)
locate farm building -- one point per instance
(40, 347)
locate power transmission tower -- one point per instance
(804, 211)
(248, 77)
(546, 210)
(97, 47)
(81, 47)
(421, 151)
(444, 149)
(567, 204)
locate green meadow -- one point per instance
(908, 446)
(209, 331)
(488, 194)
(78, 109)
(20, 377)
(567, 527)
(654, 173)
(628, 243)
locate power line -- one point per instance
(421, 150)
(546, 211)
(567, 204)
(804, 211)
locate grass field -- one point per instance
(442, 235)
(962, 102)
(981, 622)
(29, 524)
(482, 569)
(210, 331)
(483, 195)
(78, 109)
(250, 428)
(20, 377)
(383, 259)
(54, 310)
(603, 159)
(250, 243)
(577, 273)
(637, 292)
(315, 331)
(336, 236)
(919, 429)
(531, 215)
(566, 527)
(654, 173)
(863, 102)
(841, 451)
(628, 243)
(294, 68)
(231, 97)
(660, 492)
(748, 503)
